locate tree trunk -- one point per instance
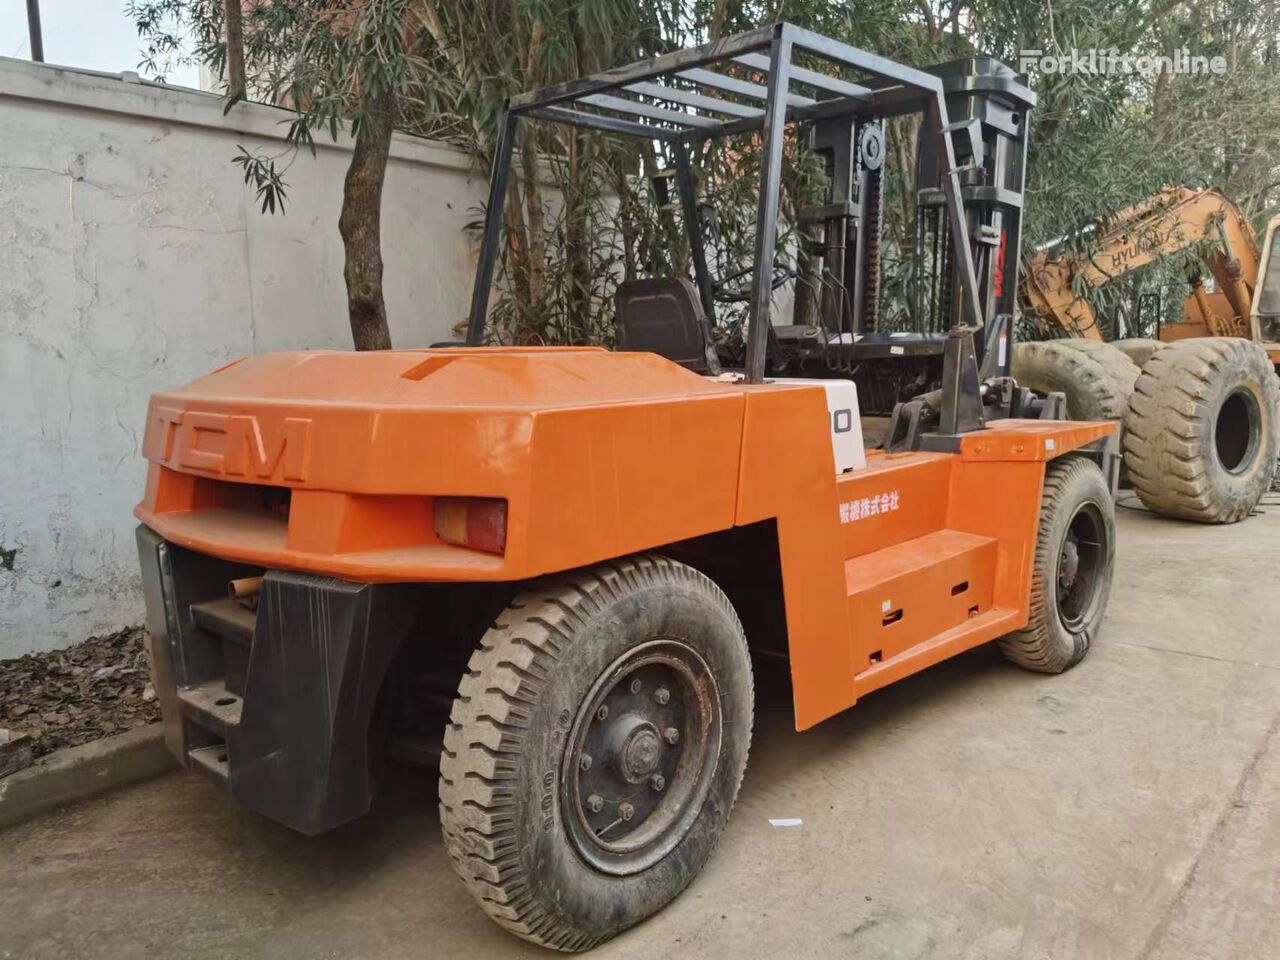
(577, 268)
(903, 135)
(1162, 105)
(517, 240)
(235, 52)
(532, 329)
(534, 216)
(361, 227)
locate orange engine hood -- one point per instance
(617, 450)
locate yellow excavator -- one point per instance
(1166, 222)
(1199, 403)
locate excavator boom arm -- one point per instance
(1170, 220)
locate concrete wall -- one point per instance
(132, 258)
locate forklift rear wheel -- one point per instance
(595, 749)
(1071, 578)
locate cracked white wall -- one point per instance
(133, 259)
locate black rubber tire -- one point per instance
(1050, 642)
(1095, 377)
(1117, 363)
(1139, 349)
(1201, 406)
(500, 798)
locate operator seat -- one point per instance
(663, 315)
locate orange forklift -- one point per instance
(549, 570)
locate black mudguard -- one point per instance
(321, 649)
(298, 748)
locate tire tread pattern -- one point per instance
(1096, 377)
(1168, 429)
(1035, 646)
(490, 720)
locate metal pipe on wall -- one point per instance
(34, 31)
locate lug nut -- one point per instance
(585, 761)
(626, 811)
(595, 803)
(603, 712)
(671, 735)
(662, 695)
(635, 685)
(658, 781)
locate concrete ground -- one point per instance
(1129, 808)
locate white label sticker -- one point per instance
(1050, 444)
(897, 351)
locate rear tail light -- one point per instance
(476, 522)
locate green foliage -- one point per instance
(1100, 143)
(331, 62)
(261, 174)
(581, 214)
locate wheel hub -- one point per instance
(641, 752)
(1081, 562)
(640, 756)
(1069, 562)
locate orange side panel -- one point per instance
(897, 497)
(996, 486)
(788, 473)
(993, 494)
(608, 481)
(906, 594)
(1001, 500)
(981, 629)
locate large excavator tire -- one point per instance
(595, 749)
(1203, 430)
(1117, 364)
(1139, 349)
(1096, 378)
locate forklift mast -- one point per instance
(988, 108)
(849, 223)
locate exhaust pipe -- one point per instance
(244, 588)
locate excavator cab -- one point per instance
(1265, 319)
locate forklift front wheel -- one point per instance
(595, 749)
(1071, 578)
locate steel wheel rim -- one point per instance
(635, 760)
(1236, 429)
(1080, 562)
